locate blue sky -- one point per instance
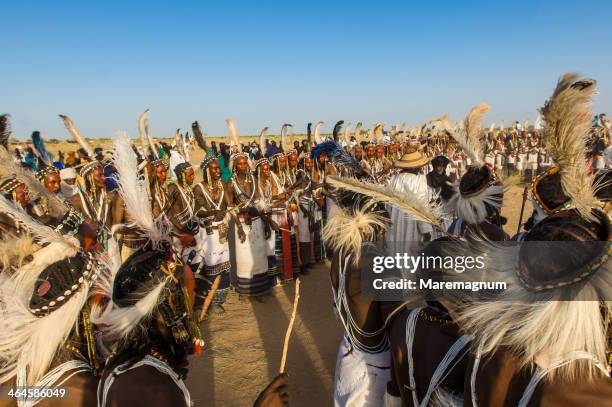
(264, 63)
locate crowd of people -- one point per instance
(112, 258)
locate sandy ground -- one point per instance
(244, 346)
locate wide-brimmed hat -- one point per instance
(411, 159)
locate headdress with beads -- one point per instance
(44, 309)
(45, 171)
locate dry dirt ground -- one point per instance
(243, 347)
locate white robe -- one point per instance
(403, 230)
(361, 378)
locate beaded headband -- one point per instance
(9, 183)
(89, 168)
(90, 273)
(42, 174)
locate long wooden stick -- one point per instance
(209, 297)
(296, 299)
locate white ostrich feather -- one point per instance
(416, 205)
(77, 136)
(469, 137)
(378, 132)
(234, 138)
(118, 322)
(143, 130)
(442, 123)
(317, 129)
(348, 231)
(133, 190)
(567, 117)
(262, 143)
(347, 132)
(285, 140)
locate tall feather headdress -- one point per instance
(180, 146)
(567, 120)
(133, 189)
(41, 151)
(77, 136)
(262, 142)
(539, 123)
(442, 123)
(285, 141)
(199, 137)
(469, 137)
(317, 128)
(143, 131)
(378, 133)
(336, 130)
(347, 132)
(234, 139)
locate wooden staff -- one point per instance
(518, 228)
(296, 299)
(209, 297)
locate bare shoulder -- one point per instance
(144, 386)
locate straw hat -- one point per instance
(411, 159)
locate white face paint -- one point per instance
(539, 212)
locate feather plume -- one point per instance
(336, 130)
(133, 190)
(145, 137)
(39, 146)
(262, 142)
(502, 125)
(347, 231)
(526, 125)
(378, 132)
(414, 204)
(357, 133)
(77, 136)
(317, 128)
(180, 145)
(234, 138)
(347, 132)
(492, 128)
(197, 133)
(285, 141)
(339, 156)
(538, 124)
(442, 123)
(5, 130)
(469, 137)
(567, 117)
(119, 322)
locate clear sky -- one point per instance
(264, 63)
